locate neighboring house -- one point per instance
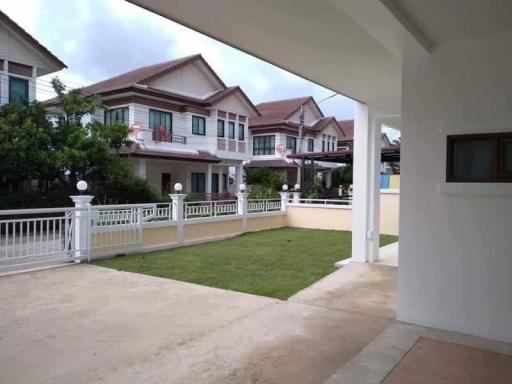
(347, 142)
(276, 134)
(186, 124)
(22, 60)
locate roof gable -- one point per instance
(281, 109)
(19, 46)
(193, 78)
(233, 99)
(347, 126)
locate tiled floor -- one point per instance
(440, 362)
(411, 354)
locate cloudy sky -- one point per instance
(98, 39)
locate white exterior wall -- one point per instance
(13, 48)
(190, 80)
(455, 244)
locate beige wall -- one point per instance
(265, 222)
(159, 237)
(389, 213)
(204, 231)
(341, 219)
(319, 218)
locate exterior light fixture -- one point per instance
(285, 187)
(81, 186)
(178, 187)
(241, 187)
(297, 187)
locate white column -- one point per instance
(239, 175)
(365, 203)
(296, 197)
(209, 179)
(177, 214)
(284, 200)
(242, 208)
(141, 168)
(81, 228)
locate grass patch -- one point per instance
(276, 263)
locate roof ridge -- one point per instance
(166, 64)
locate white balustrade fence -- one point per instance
(325, 202)
(199, 209)
(29, 236)
(261, 206)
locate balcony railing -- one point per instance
(169, 137)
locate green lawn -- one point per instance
(275, 263)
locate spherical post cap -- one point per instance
(81, 185)
(297, 187)
(242, 187)
(178, 187)
(285, 187)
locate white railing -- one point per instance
(325, 202)
(29, 236)
(261, 206)
(158, 212)
(116, 225)
(199, 209)
(36, 235)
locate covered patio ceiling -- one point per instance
(317, 40)
(353, 47)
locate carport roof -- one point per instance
(346, 156)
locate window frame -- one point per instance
(20, 79)
(223, 128)
(197, 132)
(498, 174)
(231, 124)
(291, 139)
(311, 148)
(109, 111)
(197, 179)
(153, 111)
(269, 147)
(241, 132)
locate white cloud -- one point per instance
(102, 38)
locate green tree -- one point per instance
(270, 181)
(57, 149)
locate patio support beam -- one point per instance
(366, 198)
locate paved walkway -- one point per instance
(388, 255)
(87, 324)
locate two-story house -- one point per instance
(186, 125)
(292, 126)
(22, 60)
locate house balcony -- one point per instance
(234, 146)
(169, 137)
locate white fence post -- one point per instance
(296, 197)
(82, 224)
(284, 200)
(177, 214)
(242, 208)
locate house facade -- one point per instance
(186, 125)
(22, 60)
(276, 133)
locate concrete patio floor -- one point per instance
(87, 324)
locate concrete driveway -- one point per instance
(87, 324)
